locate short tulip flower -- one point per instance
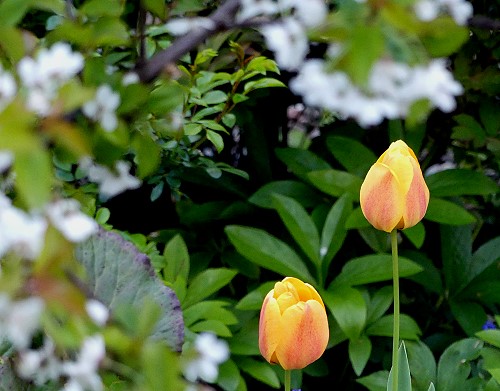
(394, 194)
(293, 327)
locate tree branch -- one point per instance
(483, 22)
(221, 18)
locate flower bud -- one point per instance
(394, 194)
(293, 327)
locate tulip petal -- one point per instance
(305, 337)
(381, 199)
(270, 327)
(417, 199)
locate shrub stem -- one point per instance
(395, 335)
(288, 379)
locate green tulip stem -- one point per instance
(395, 335)
(288, 379)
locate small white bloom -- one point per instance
(288, 41)
(426, 10)
(460, 10)
(65, 215)
(110, 182)
(6, 160)
(181, 26)
(8, 88)
(130, 78)
(310, 13)
(82, 373)
(252, 8)
(97, 311)
(211, 352)
(40, 365)
(103, 108)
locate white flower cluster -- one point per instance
(24, 233)
(42, 365)
(110, 182)
(287, 37)
(102, 108)
(392, 88)
(210, 352)
(460, 10)
(44, 75)
(8, 88)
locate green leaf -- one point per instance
(301, 161)
(404, 379)
(12, 11)
(334, 231)
(490, 336)
(98, 8)
(415, 234)
(252, 301)
(379, 304)
(160, 367)
(359, 353)
(422, 363)
(376, 381)
(147, 155)
(469, 315)
(167, 97)
(214, 97)
(131, 282)
(210, 310)
(216, 140)
(447, 212)
(374, 268)
(453, 365)
(12, 43)
(206, 283)
(348, 307)
(229, 120)
(176, 258)
(408, 328)
(443, 37)
(212, 325)
(300, 225)
(456, 249)
(244, 342)
(357, 220)
(301, 192)
(431, 387)
(229, 376)
(354, 156)
(266, 251)
(266, 82)
(457, 182)
(336, 183)
(484, 257)
(258, 370)
(156, 7)
(430, 277)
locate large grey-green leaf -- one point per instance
(118, 274)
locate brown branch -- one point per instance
(483, 22)
(222, 18)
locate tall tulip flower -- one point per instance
(394, 194)
(293, 327)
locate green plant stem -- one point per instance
(288, 379)
(395, 335)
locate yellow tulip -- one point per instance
(394, 194)
(293, 327)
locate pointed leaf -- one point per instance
(404, 379)
(301, 192)
(300, 225)
(354, 156)
(266, 251)
(206, 283)
(119, 275)
(447, 212)
(336, 183)
(457, 182)
(422, 363)
(359, 353)
(301, 161)
(431, 387)
(408, 328)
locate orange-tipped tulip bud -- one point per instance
(394, 193)
(293, 328)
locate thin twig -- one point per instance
(222, 18)
(141, 29)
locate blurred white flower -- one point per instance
(181, 26)
(83, 373)
(130, 78)
(97, 311)
(65, 215)
(210, 353)
(103, 107)
(289, 42)
(111, 182)
(40, 365)
(310, 13)
(459, 10)
(252, 8)
(20, 319)
(6, 160)
(8, 88)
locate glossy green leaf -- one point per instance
(266, 82)
(431, 387)
(377, 381)
(212, 326)
(379, 304)
(34, 185)
(430, 277)
(209, 309)
(298, 190)
(456, 251)
(453, 365)
(98, 8)
(206, 283)
(354, 156)
(490, 336)
(447, 212)
(348, 307)
(214, 97)
(176, 259)
(300, 225)
(266, 251)
(422, 364)
(253, 300)
(374, 268)
(229, 376)
(259, 370)
(408, 328)
(357, 220)
(216, 140)
(301, 162)
(336, 183)
(457, 182)
(415, 234)
(156, 7)
(359, 353)
(404, 379)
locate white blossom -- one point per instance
(97, 311)
(181, 26)
(210, 353)
(20, 232)
(83, 373)
(252, 8)
(20, 319)
(40, 365)
(310, 13)
(459, 10)
(103, 107)
(8, 88)
(65, 215)
(6, 160)
(288, 41)
(130, 78)
(111, 182)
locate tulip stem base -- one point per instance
(395, 335)
(288, 379)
